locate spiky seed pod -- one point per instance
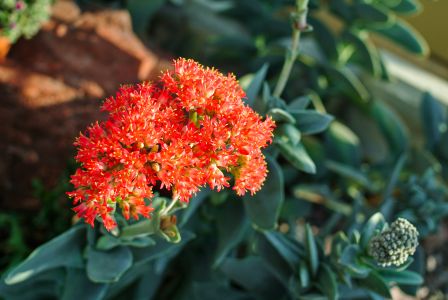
(395, 244)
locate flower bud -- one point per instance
(394, 245)
(155, 166)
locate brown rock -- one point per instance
(52, 87)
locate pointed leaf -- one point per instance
(372, 14)
(287, 133)
(343, 145)
(348, 84)
(44, 285)
(327, 282)
(349, 173)
(408, 7)
(405, 36)
(392, 127)
(304, 275)
(297, 156)
(310, 121)
(300, 103)
(311, 250)
(374, 224)
(366, 54)
(62, 251)
(287, 249)
(281, 116)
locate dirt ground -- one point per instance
(52, 87)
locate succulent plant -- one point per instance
(22, 17)
(394, 245)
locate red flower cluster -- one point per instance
(187, 130)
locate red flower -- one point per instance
(187, 130)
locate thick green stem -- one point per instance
(150, 226)
(299, 25)
(169, 207)
(144, 227)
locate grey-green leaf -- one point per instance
(327, 282)
(404, 35)
(289, 251)
(252, 274)
(311, 121)
(108, 266)
(229, 233)
(281, 116)
(300, 102)
(342, 145)
(255, 85)
(287, 133)
(402, 277)
(78, 286)
(347, 83)
(372, 13)
(366, 54)
(304, 275)
(311, 250)
(349, 173)
(62, 251)
(392, 127)
(375, 283)
(298, 157)
(433, 116)
(325, 38)
(408, 7)
(141, 12)
(349, 260)
(374, 224)
(264, 207)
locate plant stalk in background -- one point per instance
(299, 25)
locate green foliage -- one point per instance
(341, 166)
(422, 201)
(22, 17)
(25, 230)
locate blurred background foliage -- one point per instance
(343, 165)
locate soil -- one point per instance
(52, 87)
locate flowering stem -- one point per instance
(145, 227)
(299, 24)
(167, 209)
(150, 226)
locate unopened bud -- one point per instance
(394, 245)
(155, 166)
